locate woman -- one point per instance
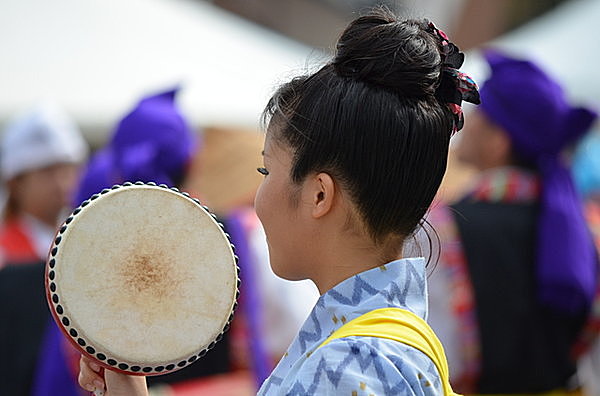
(353, 157)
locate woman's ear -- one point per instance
(322, 194)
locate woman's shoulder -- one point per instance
(370, 365)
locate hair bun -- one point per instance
(398, 55)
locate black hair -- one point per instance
(370, 118)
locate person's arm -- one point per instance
(93, 377)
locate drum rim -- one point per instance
(80, 343)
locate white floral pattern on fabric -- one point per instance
(359, 365)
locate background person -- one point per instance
(152, 143)
(40, 155)
(518, 269)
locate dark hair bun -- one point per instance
(399, 55)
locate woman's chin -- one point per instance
(286, 273)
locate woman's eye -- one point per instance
(262, 171)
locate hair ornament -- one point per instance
(454, 86)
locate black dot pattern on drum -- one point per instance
(66, 322)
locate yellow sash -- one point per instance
(402, 326)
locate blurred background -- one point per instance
(96, 58)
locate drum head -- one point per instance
(142, 279)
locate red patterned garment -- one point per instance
(462, 301)
(15, 244)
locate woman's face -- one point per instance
(279, 209)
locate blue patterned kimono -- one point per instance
(356, 366)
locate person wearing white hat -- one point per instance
(40, 153)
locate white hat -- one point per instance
(41, 137)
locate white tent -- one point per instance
(566, 44)
(97, 57)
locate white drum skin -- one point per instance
(142, 279)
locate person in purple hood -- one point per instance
(152, 143)
(518, 269)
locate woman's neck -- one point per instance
(345, 257)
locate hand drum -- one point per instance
(142, 279)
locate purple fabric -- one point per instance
(533, 111)
(52, 375)
(100, 173)
(251, 301)
(152, 143)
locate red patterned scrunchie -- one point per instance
(455, 86)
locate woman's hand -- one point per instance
(93, 377)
